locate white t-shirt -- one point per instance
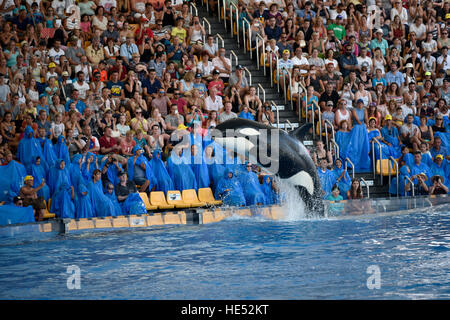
(365, 61)
(56, 54)
(419, 30)
(218, 63)
(446, 62)
(215, 105)
(108, 4)
(300, 61)
(82, 89)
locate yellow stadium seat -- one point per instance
(144, 198)
(385, 164)
(158, 199)
(174, 197)
(47, 214)
(190, 197)
(206, 195)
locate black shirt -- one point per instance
(125, 191)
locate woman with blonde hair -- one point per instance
(187, 83)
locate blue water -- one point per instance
(240, 258)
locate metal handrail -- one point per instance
(245, 21)
(375, 140)
(396, 174)
(353, 166)
(320, 119)
(367, 186)
(284, 69)
(218, 10)
(224, 6)
(207, 5)
(336, 146)
(192, 6)
(412, 185)
(231, 59)
(290, 125)
(233, 5)
(278, 113)
(263, 92)
(218, 36)
(258, 36)
(249, 76)
(300, 116)
(326, 124)
(207, 22)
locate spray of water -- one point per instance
(293, 205)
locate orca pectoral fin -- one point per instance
(302, 131)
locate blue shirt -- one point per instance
(376, 81)
(347, 60)
(80, 106)
(442, 151)
(397, 78)
(383, 45)
(40, 107)
(274, 33)
(127, 51)
(151, 88)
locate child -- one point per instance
(398, 118)
(426, 155)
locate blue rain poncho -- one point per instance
(61, 149)
(113, 173)
(164, 182)
(12, 176)
(386, 151)
(391, 136)
(112, 196)
(345, 183)
(29, 148)
(327, 180)
(75, 170)
(437, 170)
(38, 173)
(230, 190)
(57, 177)
(355, 146)
(200, 169)
(102, 205)
(270, 194)
(62, 202)
(403, 172)
(408, 158)
(197, 139)
(87, 171)
(148, 170)
(12, 214)
(133, 204)
(426, 158)
(421, 168)
(181, 173)
(215, 165)
(49, 154)
(252, 188)
(83, 201)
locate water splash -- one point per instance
(293, 205)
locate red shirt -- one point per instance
(180, 104)
(146, 31)
(104, 143)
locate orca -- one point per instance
(276, 152)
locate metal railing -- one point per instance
(353, 166)
(326, 124)
(284, 69)
(278, 113)
(412, 185)
(375, 140)
(245, 21)
(367, 186)
(249, 76)
(258, 36)
(312, 115)
(193, 7)
(259, 86)
(224, 7)
(299, 102)
(231, 59)
(204, 20)
(290, 125)
(336, 147)
(218, 11)
(218, 36)
(236, 10)
(391, 158)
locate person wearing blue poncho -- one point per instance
(270, 194)
(420, 174)
(28, 149)
(245, 114)
(403, 186)
(39, 174)
(374, 133)
(426, 155)
(111, 194)
(75, 170)
(12, 173)
(48, 150)
(89, 166)
(355, 146)
(180, 171)
(61, 149)
(164, 182)
(62, 201)
(438, 169)
(102, 205)
(199, 167)
(58, 175)
(327, 178)
(83, 201)
(252, 188)
(229, 190)
(342, 178)
(140, 172)
(234, 162)
(406, 156)
(128, 196)
(215, 166)
(113, 168)
(391, 136)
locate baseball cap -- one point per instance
(379, 30)
(65, 74)
(215, 71)
(330, 103)
(373, 104)
(339, 17)
(428, 73)
(181, 127)
(388, 117)
(440, 157)
(286, 51)
(51, 65)
(28, 178)
(198, 75)
(360, 100)
(17, 199)
(239, 67)
(409, 65)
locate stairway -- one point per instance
(376, 188)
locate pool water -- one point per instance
(241, 258)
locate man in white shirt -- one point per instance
(223, 64)
(81, 85)
(443, 62)
(300, 61)
(419, 28)
(364, 60)
(213, 102)
(56, 52)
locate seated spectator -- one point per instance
(266, 115)
(29, 195)
(227, 114)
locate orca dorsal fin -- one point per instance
(301, 132)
